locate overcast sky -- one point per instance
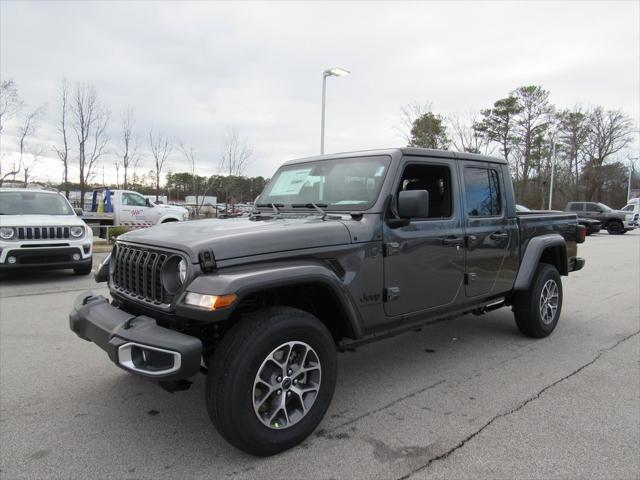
(193, 70)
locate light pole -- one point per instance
(631, 169)
(332, 72)
(553, 167)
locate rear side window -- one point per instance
(576, 207)
(482, 187)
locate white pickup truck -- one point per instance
(128, 209)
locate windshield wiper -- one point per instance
(317, 206)
(257, 213)
(274, 206)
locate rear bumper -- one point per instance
(135, 343)
(576, 264)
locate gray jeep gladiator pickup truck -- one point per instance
(339, 250)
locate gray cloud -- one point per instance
(195, 69)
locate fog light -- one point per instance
(76, 256)
(11, 260)
(210, 302)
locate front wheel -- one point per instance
(537, 310)
(271, 380)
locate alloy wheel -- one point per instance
(549, 298)
(286, 385)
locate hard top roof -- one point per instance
(419, 152)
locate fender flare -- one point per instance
(244, 281)
(533, 254)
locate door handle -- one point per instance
(452, 241)
(498, 236)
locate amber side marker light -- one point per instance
(210, 302)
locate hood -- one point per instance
(242, 237)
(40, 220)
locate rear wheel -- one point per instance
(271, 379)
(537, 310)
(615, 227)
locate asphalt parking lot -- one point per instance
(466, 398)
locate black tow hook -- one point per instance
(175, 385)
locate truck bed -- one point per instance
(542, 222)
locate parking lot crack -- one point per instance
(325, 432)
(515, 409)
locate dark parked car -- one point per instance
(339, 250)
(591, 226)
(614, 221)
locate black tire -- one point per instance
(83, 270)
(615, 227)
(527, 305)
(235, 363)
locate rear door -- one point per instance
(490, 235)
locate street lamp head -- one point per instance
(336, 72)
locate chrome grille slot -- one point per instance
(42, 233)
(138, 273)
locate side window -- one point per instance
(482, 188)
(576, 207)
(133, 199)
(592, 207)
(435, 179)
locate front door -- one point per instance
(489, 234)
(424, 261)
(134, 210)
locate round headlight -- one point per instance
(182, 271)
(77, 232)
(7, 233)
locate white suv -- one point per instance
(39, 229)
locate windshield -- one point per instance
(604, 207)
(342, 184)
(34, 203)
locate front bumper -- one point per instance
(135, 343)
(41, 255)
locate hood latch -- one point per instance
(207, 261)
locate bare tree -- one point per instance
(466, 135)
(10, 102)
(609, 132)
(129, 156)
(10, 105)
(236, 155)
(28, 166)
(196, 181)
(26, 130)
(90, 119)
(161, 147)
(409, 114)
(63, 151)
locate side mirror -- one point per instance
(148, 202)
(413, 204)
(78, 211)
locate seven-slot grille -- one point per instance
(138, 273)
(42, 233)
